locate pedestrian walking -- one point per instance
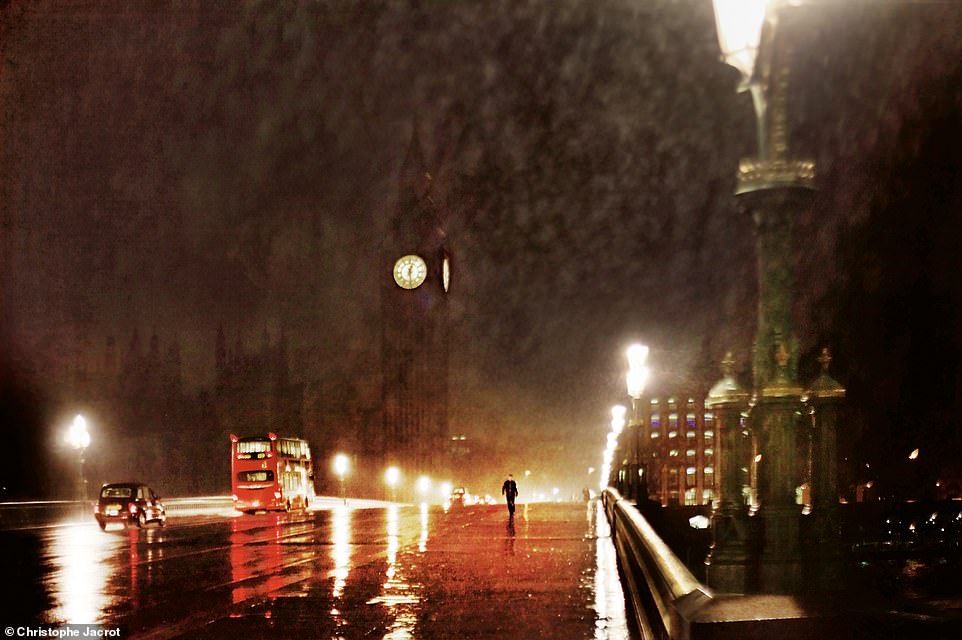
(510, 491)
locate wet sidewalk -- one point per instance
(472, 572)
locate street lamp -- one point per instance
(392, 476)
(341, 466)
(424, 486)
(635, 381)
(739, 25)
(79, 439)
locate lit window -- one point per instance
(709, 451)
(690, 453)
(655, 421)
(690, 471)
(690, 419)
(709, 470)
(672, 434)
(707, 495)
(709, 435)
(673, 452)
(654, 434)
(673, 420)
(690, 434)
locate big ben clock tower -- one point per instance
(415, 280)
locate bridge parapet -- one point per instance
(666, 601)
(664, 595)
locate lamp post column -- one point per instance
(621, 452)
(774, 417)
(79, 438)
(635, 382)
(727, 561)
(639, 470)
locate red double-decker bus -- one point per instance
(270, 473)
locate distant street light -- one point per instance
(79, 439)
(424, 486)
(341, 466)
(392, 476)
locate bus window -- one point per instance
(253, 445)
(256, 476)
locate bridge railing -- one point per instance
(664, 595)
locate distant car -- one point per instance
(129, 503)
(458, 497)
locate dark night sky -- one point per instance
(180, 165)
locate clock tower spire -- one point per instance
(415, 280)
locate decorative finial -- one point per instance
(782, 355)
(728, 364)
(825, 358)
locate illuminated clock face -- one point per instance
(446, 273)
(410, 271)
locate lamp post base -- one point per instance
(727, 564)
(780, 568)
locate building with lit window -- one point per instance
(677, 450)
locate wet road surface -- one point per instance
(393, 572)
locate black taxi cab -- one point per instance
(129, 503)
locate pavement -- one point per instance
(548, 572)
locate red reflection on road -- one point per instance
(253, 554)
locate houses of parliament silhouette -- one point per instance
(151, 427)
(395, 411)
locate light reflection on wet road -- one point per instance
(393, 573)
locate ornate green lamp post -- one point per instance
(772, 187)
